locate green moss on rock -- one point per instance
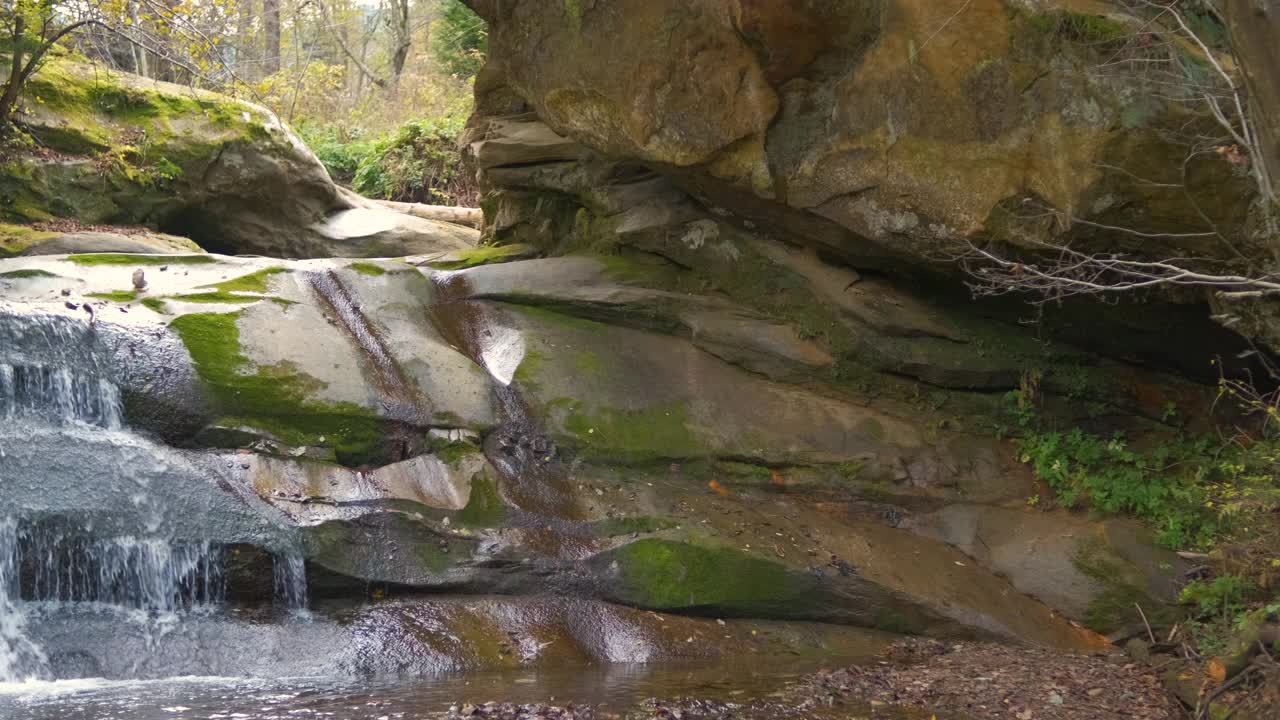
(367, 268)
(258, 281)
(453, 453)
(651, 433)
(487, 255)
(276, 399)
(92, 259)
(26, 274)
(16, 238)
(120, 296)
(1080, 27)
(485, 507)
(220, 297)
(667, 575)
(1116, 605)
(155, 305)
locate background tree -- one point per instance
(271, 36)
(33, 27)
(379, 87)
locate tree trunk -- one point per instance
(1255, 37)
(364, 55)
(139, 53)
(447, 213)
(11, 90)
(271, 31)
(403, 38)
(344, 37)
(244, 41)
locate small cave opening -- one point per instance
(199, 224)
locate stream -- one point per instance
(612, 687)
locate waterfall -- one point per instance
(50, 565)
(20, 658)
(289, 580)
(56, 394)
(144, 574)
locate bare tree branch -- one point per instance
(364, 70)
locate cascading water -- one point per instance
(20, 658)
(289, 581)
(144, 574)
(56, 394)
(52, 385)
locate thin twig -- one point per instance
(916, 53)
(1150, 634)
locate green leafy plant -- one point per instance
(1224, 594)
(419, 162)
(1194, 491)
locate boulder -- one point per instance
(226, 173)
(111, 242)
(890, 139)
(842, 111)
(1097, 572)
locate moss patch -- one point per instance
(26, 274)
(1116, 605)
(258, 281)
(367, 268)
(668, 575)
(526, 373)
(225, 297)
(652, 433)
(16, 238)
(484, 507)
(276, 399)
(155, 305)
(487, 255)
(91, 259)
(120, 296)
(453, 453)
(1080, 27)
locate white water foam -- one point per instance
(20, 658)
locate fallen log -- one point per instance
(444, 213)
(1255, 635)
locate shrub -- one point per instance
(341, 152)
(1195, 492)
(419, 162)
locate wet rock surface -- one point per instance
(489, 430)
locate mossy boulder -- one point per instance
(226, 173)
(358, 548)
(667, 575)
(132, 240)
